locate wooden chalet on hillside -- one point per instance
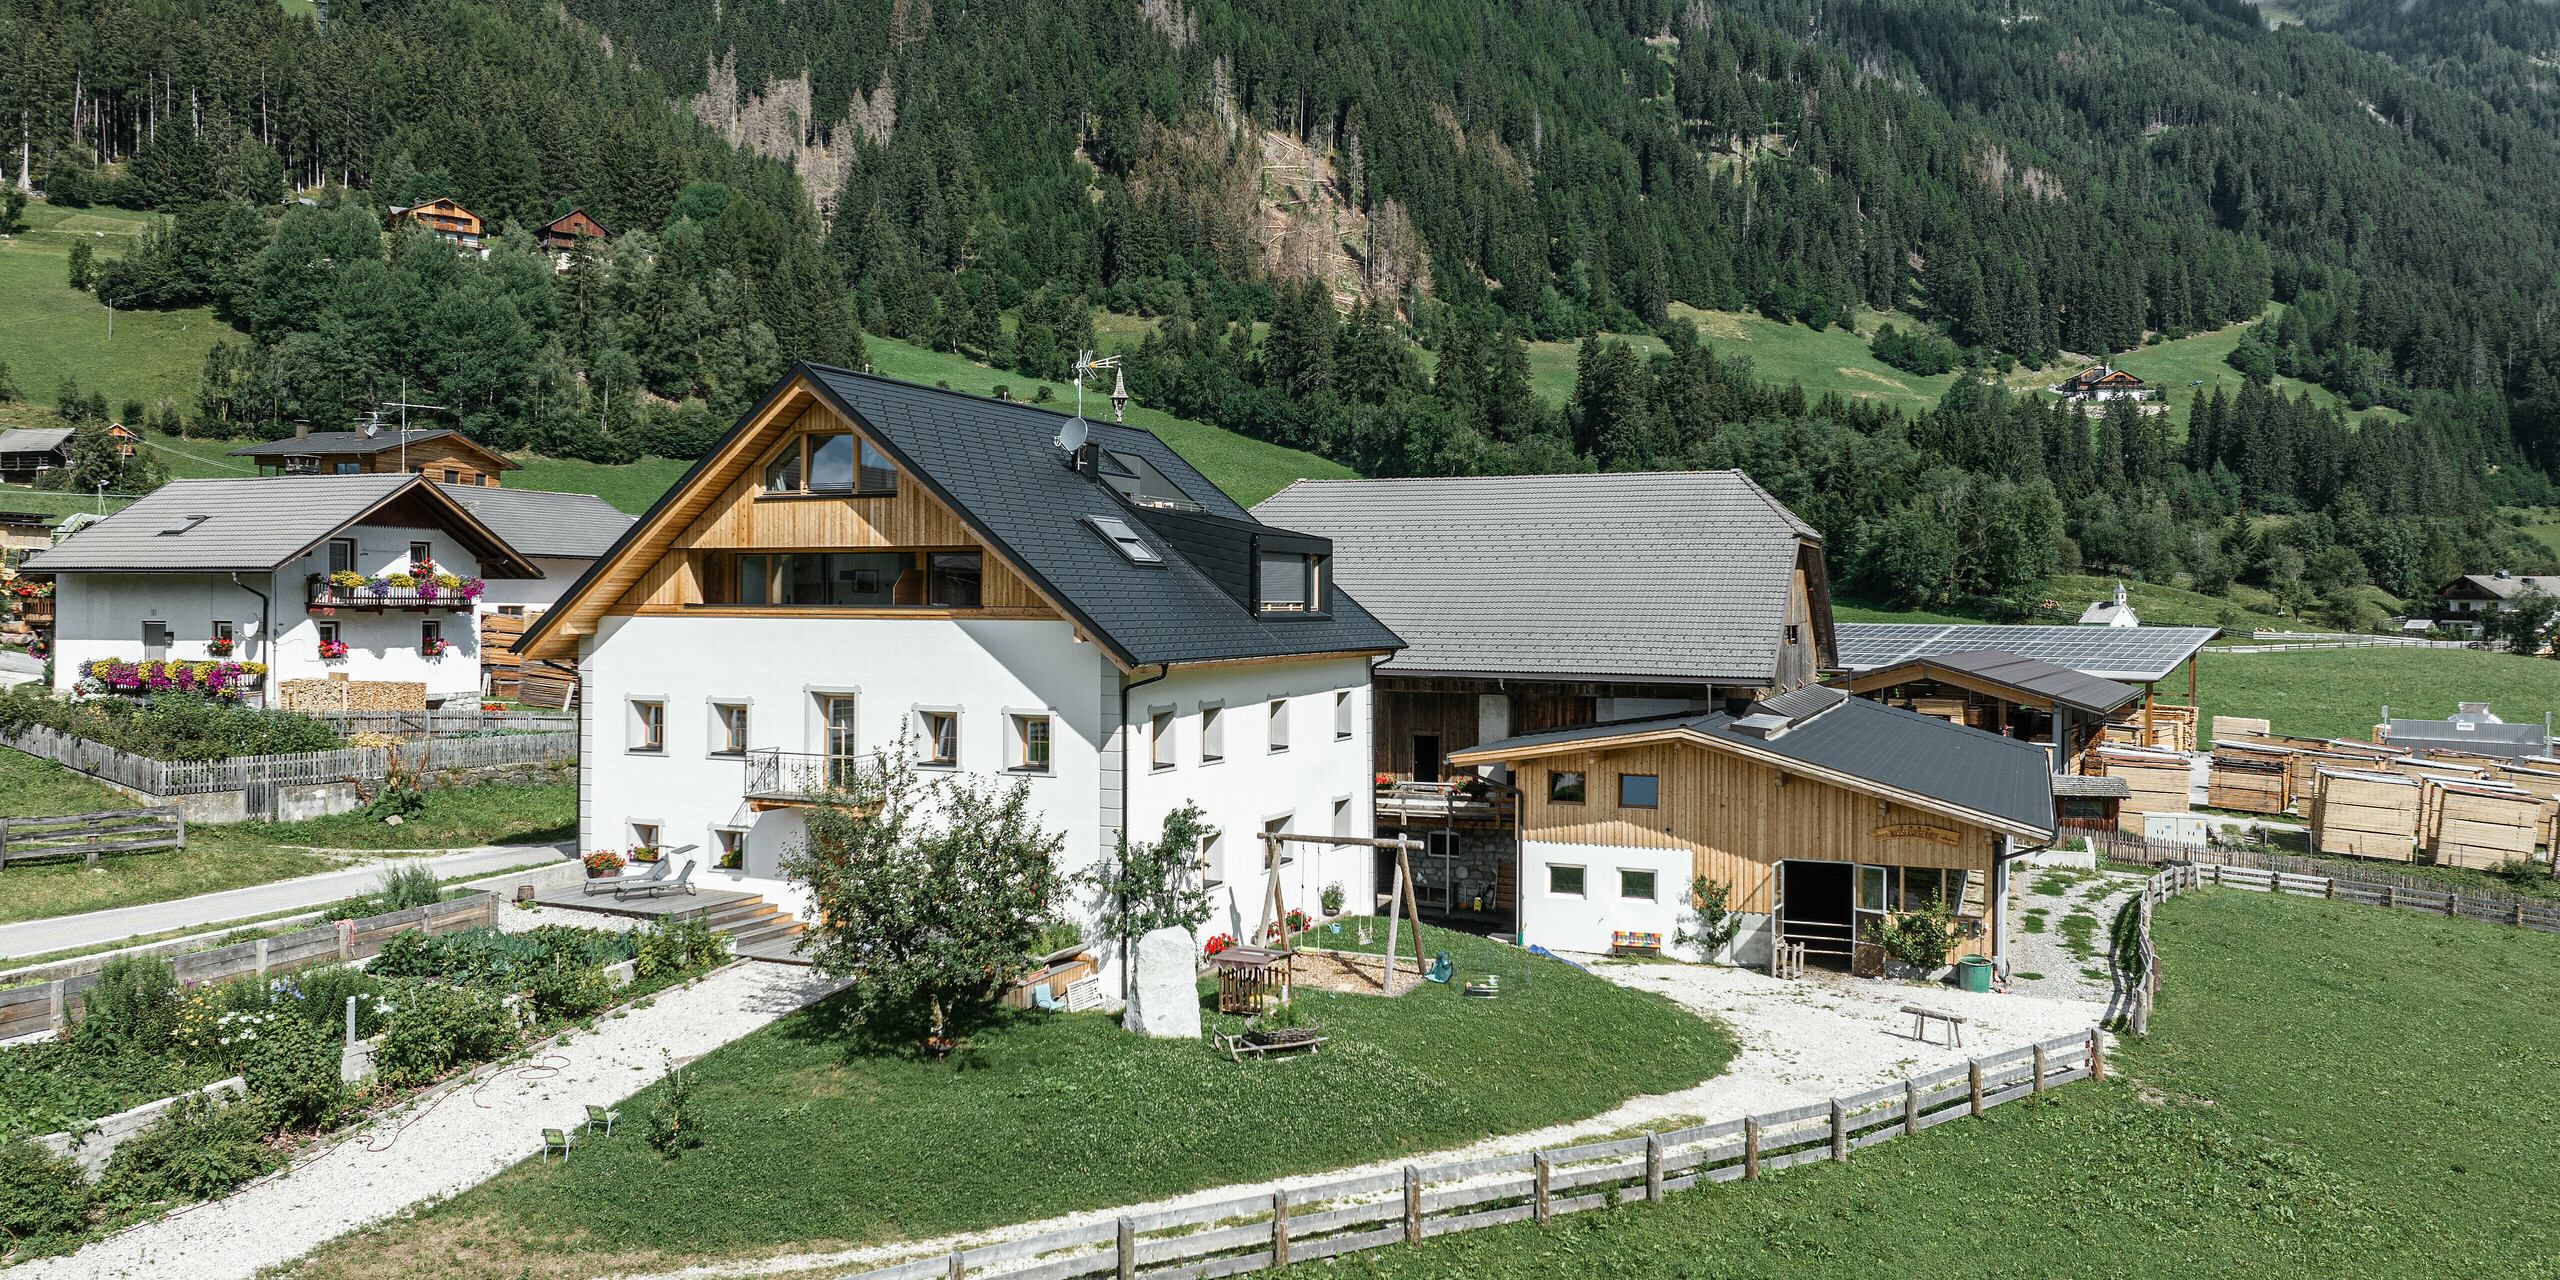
(564, 232)
(2103, 382)
(1537, 603)
(2468, 600)
(445, 456)
(442, 218)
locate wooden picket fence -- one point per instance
(300, 769)
(88, 835)
(1302, 1224)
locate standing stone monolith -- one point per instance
(1164, 991)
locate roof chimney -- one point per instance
(302, 429)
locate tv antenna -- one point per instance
(402, 404)
(1085, 363)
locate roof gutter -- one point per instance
(1163, 669)
(266, 632)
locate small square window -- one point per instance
(1213, 859)
(1160, 729)
(224, 632)
(342, 555)
(452, 476)
(1635, 884)
(1213, 735)
(1795, 634)
(1274, 826)
(421, 553)
(942, 737)
(731, 720)
(1031, 743)
(1341, 715)
(1639, 791)
(1564, 786)
(430, 637)
(1564, 880)
(648, 726)
(645, 835)
(328, 633)
(733, 849)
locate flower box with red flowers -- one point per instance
(1217, 942)
(601, 863)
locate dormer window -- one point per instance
(839, 463)
(1290, 582)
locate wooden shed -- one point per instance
(2481, 826)
(2366, 814)
(2003, 693)
(2159, 782)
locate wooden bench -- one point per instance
(1623, 943)
(1920, 1025)
(1236, 1046)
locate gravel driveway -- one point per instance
(2062, 946)
(455, 1138)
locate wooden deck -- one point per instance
(643, 907)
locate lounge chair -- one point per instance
(1043, 999)
(657, 871)
(599, 1116)
(555, 1140)
(683, 880)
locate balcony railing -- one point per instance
(380, 597)
(1435, 804)
(777, 778)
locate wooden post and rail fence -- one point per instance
(1275, 1228)
(87, 835)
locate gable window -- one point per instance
(838, 462)
(1795, 634)
(421, 553)
(1031, 744)
(452, 476)
(1279, 734)
(1213, 735)
(1564, 786)
(956, 577)
(1160, 727)
(1639, 791)
(342, 555)
(941, 738)
(855, 580)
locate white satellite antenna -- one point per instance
(1071, 437)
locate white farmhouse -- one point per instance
(197, 562)
(864, 562)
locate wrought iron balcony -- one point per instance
(778, 779)
(381, 597)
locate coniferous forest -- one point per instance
(1345, 223)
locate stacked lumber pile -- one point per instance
(2428, 774)
(2239, 727)
(544, 683)
(2172, 728)
(2368, 815)
(498, 665)
(2543, 784)
(2157, 779)
(1950, 710)
(2480, 825)
(2250, 777)
(337, 693)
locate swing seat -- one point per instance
(1441, 968)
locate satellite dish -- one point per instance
(1071, 436)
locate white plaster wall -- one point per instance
(1254, 784)
(100, 615)
(534, 593)
(1584, 922)
(986, 671)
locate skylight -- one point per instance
(1124, 538)
(184, 523)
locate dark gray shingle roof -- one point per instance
(1909, 752)
(2042, 679)
(1665, 575)
(249, 526)
(996, 464)
(566, 526)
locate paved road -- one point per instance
(38, 937)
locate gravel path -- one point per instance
(453, 1139)
(1802, 1041)
(2062, 947)
(61, 933)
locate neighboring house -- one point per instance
(2063, 710)
(1820, 813)
(443, 455)
(2468, 600)
(1539, 602)
(442, 218)
(562, 533)
(26, 453)
(26, 530)
(563, 233)
(864, 565)
(247, 560)
(2103, 382)
(2117, 612)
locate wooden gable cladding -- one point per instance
(1738, 819)
(729, 512)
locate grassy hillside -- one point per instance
(2157, 604)
(2306, 1104)
(50, 331)
(2340, 693)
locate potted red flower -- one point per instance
(1217, 942)
(218, 646)
(333, 650)
(602, 863)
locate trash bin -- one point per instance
(1973, 973)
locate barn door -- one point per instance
(1866, 956)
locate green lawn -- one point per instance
(2327, 1090)
(631, 487)
(2340, 693)
(2199, 358)
(454, 818)
(32, 787)
(50, 331)
(2156, 604)
(209, 864)
(816, 1138)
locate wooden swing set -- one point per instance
(1257, 972)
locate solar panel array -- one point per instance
(2115, 653)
